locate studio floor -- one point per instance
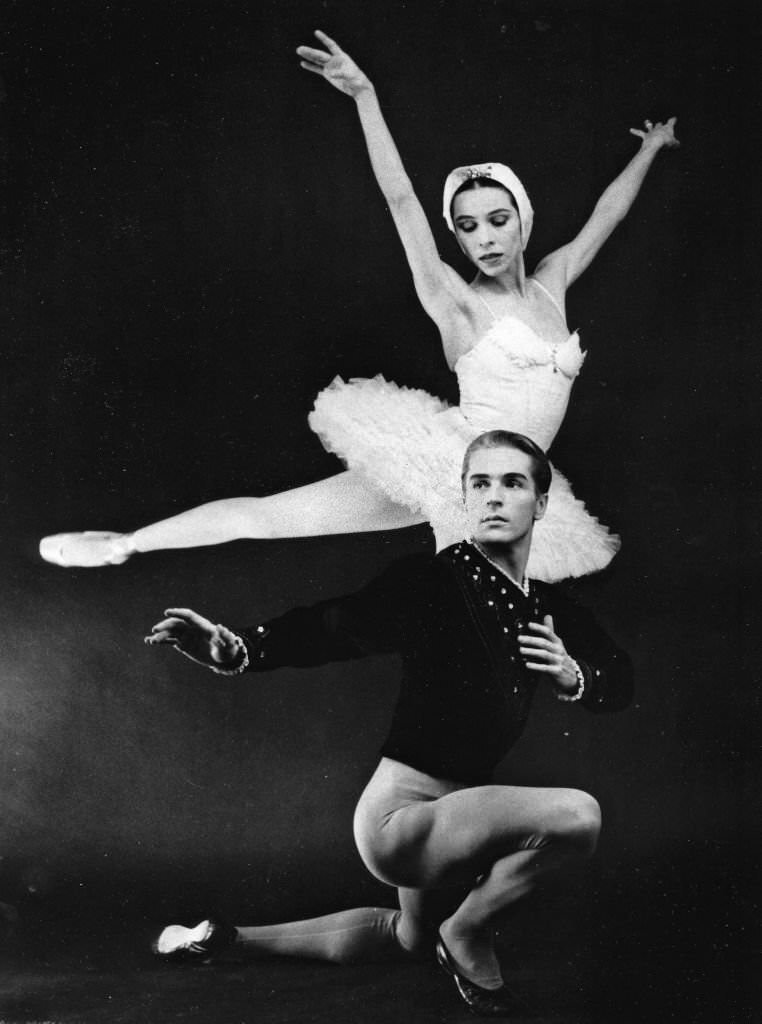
(113, 978)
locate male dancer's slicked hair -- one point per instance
(541, 471)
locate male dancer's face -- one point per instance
(502, 502)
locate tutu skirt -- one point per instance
(410, 445)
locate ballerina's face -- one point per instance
(501, 496)
(488, 228)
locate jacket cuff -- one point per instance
(238, 664)
(579, 693)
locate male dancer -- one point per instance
(476, 639)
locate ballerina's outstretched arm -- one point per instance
(443, 293)
(561, 268)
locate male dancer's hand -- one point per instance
(197, 638)
(543, 651)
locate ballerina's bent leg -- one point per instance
(344, 503)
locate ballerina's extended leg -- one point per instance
(344, 503)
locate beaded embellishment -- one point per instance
(476, 172)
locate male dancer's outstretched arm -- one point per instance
(381, 618)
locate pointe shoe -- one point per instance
(484, 1002)
(200, 944)
(85, 550)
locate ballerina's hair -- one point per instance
(541, 471)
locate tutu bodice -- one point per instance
(410, 444)
(515, 380)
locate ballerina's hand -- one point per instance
(657, 135)
(543, 651)
(196, 637)
(335, 66)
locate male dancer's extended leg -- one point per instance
(360, 935)
(344, 503)
(363, 934)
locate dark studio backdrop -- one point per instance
(194, 245)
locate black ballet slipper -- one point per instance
(177, 944)
(484, 1002)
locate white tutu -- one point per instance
(410, 445)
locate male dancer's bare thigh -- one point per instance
(416, 831)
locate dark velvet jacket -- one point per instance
(454, 618)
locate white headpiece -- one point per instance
(502, 175)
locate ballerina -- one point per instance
(504, 335)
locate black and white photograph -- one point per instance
(379, 511)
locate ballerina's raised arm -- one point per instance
(442, 292)
(561, 268)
